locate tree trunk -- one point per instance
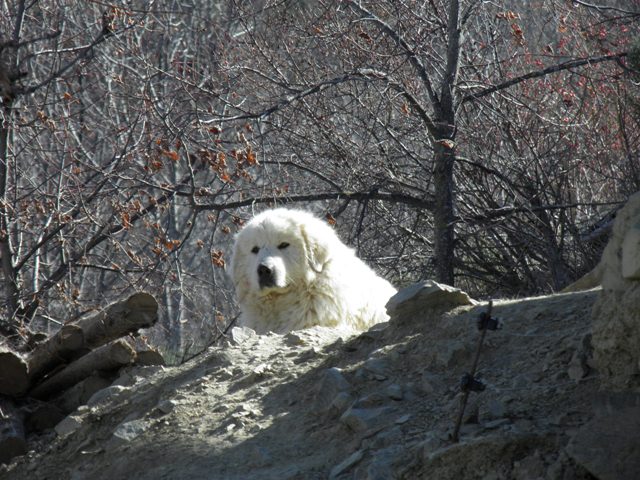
(444, 214)
(445, 153)
(14, 378)
(74, 340)
(10, 276)
(140, 310)
(57, 349)
(108, 357)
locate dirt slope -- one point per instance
(379, 405)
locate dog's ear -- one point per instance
(237, 271)
(317, 239)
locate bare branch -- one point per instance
(602, 8)
(541, 73)
(415, 61)
(391, 197)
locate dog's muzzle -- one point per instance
(266, 277)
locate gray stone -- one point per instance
(105, 395)
(615, 316)
(431, 444)
(403, 419)
(431, 383)
(166, 406)
(425, 296)
(383, 465)
(616, 337)
(341, 402)
(385, 438)
(242, 335)
(374, 399)
(578, 368)
(394, 391)
(346, 464)
(332, 383)
(367, 420)
(130, 430)
(496, 408)
(608, 446)
(451, 353)
(496, 423)
(377, 368)
(69, 425)
(631, 253)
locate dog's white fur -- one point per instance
(316, 279)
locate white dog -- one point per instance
(291, 272)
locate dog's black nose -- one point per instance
(265, 276)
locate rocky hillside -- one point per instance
(561, 397)
(374, 406)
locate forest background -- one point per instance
(486, 145)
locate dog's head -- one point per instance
(278, 249)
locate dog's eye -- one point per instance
(255, 249)
(283, 245)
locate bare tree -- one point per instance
(480, 144)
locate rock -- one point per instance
(128, 431)
(608, 446)
(493, 424)
(105, 395)
(616, 314)
(367, 420)
(431, 383)
(331, 384)
(616, 336)
(394, 391)
(403, 419)
(374, 399)
(578, 367)
(431, 444)
(69, 425)
(453, 352)
(383, 465)
(631, 252)
(166, 406)
(81, 392)
(385, 438)
(496, 409)
(376, 368)
(478, 457)
(346, 464)
(134, 374)
(242, 335)
(341, 402)
(624, 230)
(423, 297)
(317, 335)
(471, 411)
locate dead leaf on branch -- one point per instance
(216, 258)
(171, 154)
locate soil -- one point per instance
(322, 404)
